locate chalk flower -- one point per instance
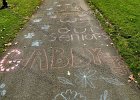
(86, 78)
(69, 95)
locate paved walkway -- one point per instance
(63, 54)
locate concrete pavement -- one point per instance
(63, 54)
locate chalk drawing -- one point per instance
(37, 20)
(113, 81)
(13, 64)
(105, 96)
(39, 56)
(29, 35)
(86, 78)
(64, 80)
(75, 30)
(36, 43)
(45, 27)
(2, 89)
(69, 95)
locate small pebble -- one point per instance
(111, 43)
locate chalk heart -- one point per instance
(70, 95)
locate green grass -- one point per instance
(13, 18)
(124, 16)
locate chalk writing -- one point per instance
(58, 59)
(69, 95)
(86, 77)
(10, 64)
(39, 56)
(69, 38)
(75, 30)
(104, 36)
(36, 43)
(2, 89)
(63, 30)
(96, 56)
(104, 96)
(64, 80)
(113, 81)
(29, 35)
(79, 58)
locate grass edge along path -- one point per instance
(13, 19)
(114, 32)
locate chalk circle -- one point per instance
(14, 63)
(82, 30)
(63, 30)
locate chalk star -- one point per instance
(86, 77)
